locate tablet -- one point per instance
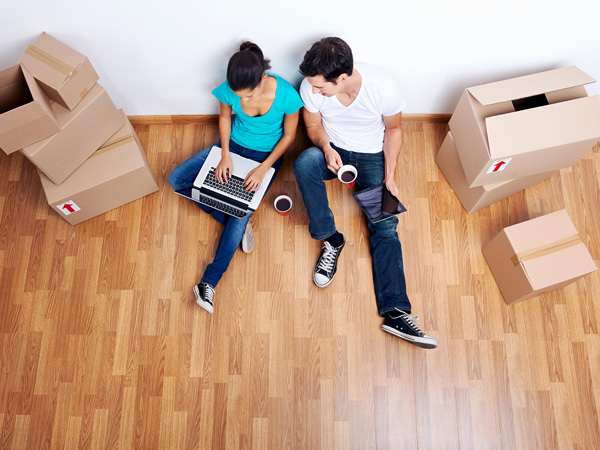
(378, 203)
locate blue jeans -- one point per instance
(183, 177)
(386, 251)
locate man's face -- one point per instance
(323, 87)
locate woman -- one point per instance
(264, 125)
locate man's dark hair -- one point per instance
(246, 67)
(330, 57)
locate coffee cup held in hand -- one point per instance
(347, 175)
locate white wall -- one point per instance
(164, 57)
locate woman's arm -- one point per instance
(225, 168)
(255, 177)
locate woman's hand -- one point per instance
(224, 169)
(254, 178)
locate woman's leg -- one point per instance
(234, 227)
(229, 242)
(183, 176)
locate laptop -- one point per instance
(231, 197)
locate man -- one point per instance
(353, 115)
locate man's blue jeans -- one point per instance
(183, 177)
(386, 251)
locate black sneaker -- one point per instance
(402, 325)
(327, 264)
(204, 296)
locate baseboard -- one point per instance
(213, 119)
(205, 119)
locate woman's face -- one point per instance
(251, 94)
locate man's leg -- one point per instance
(387, 264)
(311, 171)
(388, 267)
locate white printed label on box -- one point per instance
(498, 166)
(68, 207)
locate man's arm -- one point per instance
(319, 137)
(392, 142)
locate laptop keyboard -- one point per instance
(235, 186)
(224, 207)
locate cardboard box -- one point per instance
(83, 130)
(524, 126)
(25, 113)
(63, 73)
(473, 199)
(116, 174)
(537, 256)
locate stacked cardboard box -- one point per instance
(53, 110)
(117, 173)
(509, 135)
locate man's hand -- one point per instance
(333, 159)
(224, 169)
(254, 178)
(390, 183)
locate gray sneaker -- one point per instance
(248, 239)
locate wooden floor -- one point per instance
(103, 347)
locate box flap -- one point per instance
(530, 85)
(546, 127)
(539, 232)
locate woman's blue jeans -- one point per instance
(183, 177)
(386, 251)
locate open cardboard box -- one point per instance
(63, 73)
(527, 125)
(537, 256)
(25, 113)
(475, 198)
(117, 173)
(83, 130)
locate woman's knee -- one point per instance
(173, 179)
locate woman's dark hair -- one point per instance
(330, 57)
(246, 67)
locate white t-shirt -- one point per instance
(358, 127)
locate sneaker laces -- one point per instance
(208, 292)
(328, 259)
(410, 321)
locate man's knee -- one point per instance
(310, 161)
